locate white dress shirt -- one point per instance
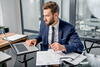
(56, 30)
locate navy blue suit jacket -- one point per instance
(67, 37)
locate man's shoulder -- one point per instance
(65, 23)
(43, 24)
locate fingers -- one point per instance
(31, 42)
(54, 46)
(28, 42)
(57, 47)
(34, 42)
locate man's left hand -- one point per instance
(57, 47)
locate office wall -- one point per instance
(11, 15)
(1, 17)
(65, 10)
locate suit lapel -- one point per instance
(46, 34)
(60, 33)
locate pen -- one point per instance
(66, 58)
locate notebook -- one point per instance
(4, 57)
(23, 48)
(73, 58)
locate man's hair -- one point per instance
(51, 5)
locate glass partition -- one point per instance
(32, 11)
(30, 15)
(87, 23)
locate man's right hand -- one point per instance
(31, 42)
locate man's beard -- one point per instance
(51, 22)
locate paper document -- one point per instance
(51, 57)
(14, 37)
(4, 57)
(47, 58)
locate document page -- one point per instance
(47, 58)
(14, 37)
(4, 56)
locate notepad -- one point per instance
(73, 58)
(14, 37)
(4, 57)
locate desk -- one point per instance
(90, 39)
(3, 58)
(4, 43)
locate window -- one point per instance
(86, 22)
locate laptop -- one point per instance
(20, 48)
(23, 48)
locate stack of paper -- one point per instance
(4, 57)
(50, 57)
(14, 37)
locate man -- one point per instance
(65, 38)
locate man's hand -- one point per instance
(31, 42)
(57, 47)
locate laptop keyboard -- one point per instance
(21, 47)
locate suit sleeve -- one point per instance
(39, 37)
(74, 43)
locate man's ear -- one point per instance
(56, 14)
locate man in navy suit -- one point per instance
(64, 37)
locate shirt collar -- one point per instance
(56, 25)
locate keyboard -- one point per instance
(21, 47)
